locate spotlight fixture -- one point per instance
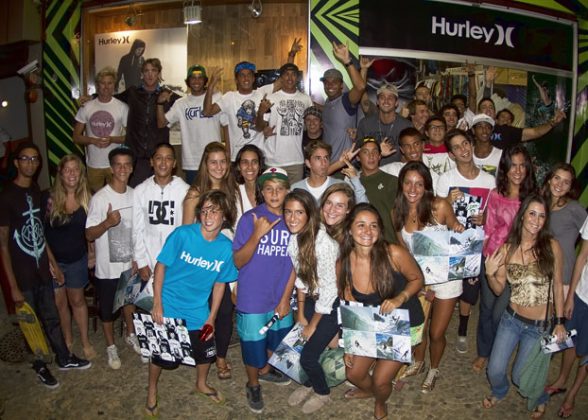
(256, 8)
(192, 12)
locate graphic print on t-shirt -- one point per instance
(162, 212)
(246, 118)
(291, 111)
(102, 123)
(120, 243)
(31, 239)
(274, 243)
(194, 112)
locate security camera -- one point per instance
(29, 68)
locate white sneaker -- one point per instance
(299, 395)
(462, 344)
(133, 341)
(113, 359)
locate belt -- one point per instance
(528, 321)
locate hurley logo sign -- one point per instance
(496, 33)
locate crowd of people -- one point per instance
(284, 200)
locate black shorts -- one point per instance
(471, 290)
(202, 352)
(105, 290)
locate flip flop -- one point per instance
(214, 396)
(223, 372)
(152, 412)
(356, 394)
(553, 390)
(565, 411)
(479, 365)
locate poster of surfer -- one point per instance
(445, 256)
(286, 357)
(169, 342)
(368, 333)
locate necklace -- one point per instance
(387, 136)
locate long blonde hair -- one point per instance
(58, 214)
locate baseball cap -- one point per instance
(272, 173)
(312, 110)
(196, 70)
(332, 74)
(387, 87)
(288, 66)
(244, 65)
(479, 118)
(367, 140)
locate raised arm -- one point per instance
(496, 270)
(341, 52)
(211, 108)
(532, 133)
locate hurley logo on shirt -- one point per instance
(201, 262)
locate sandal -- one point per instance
(214, 396)
(152, 412)
(554, 390)
(565, 411)
(416, 368)
(356, 394)
(538, 412)
(490, 402)
(479, 365)
(223, 372)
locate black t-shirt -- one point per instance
(505, 136)
(21, 212)
(66, 239)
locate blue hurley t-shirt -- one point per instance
(263, 279)
(192, 266)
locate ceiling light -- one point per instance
(192, 12)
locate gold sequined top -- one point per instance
(529, 286)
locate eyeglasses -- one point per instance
(32, 159)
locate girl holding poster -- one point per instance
(373, 272)
(313, 254)
(416, 208)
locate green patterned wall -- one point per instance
(61, 68)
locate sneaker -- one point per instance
(133, 341)
(429, 382)
(275, 377)
(46, 377)
(74, 362)
(299, 395)
(113, 359)
(254, 398)
(462, 344)
(315, 403)
(414, 369)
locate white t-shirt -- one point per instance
(114, 249)
(582, 288)
(480, 186)
(490, 163)
(438, 162)
(196, 129)
(240, 112)
(102, 119)
(285, 148)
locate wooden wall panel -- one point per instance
(227, 35)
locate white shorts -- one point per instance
(448, 290)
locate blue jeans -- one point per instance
(491, 309)
(511, 332)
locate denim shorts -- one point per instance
(578, 322)
(75, 274)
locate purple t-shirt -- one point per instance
(262, 280)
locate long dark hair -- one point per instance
(381, 270)
(572, 194)
(529, 185)
(425, 205)
(542, 250)
(239, 178)
(307, 238)
(336, 231)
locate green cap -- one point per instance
(196, 70)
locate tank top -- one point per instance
(528, 286)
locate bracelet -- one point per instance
(552, 123)
(349, 63)
(560, 320)
(161, 103)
